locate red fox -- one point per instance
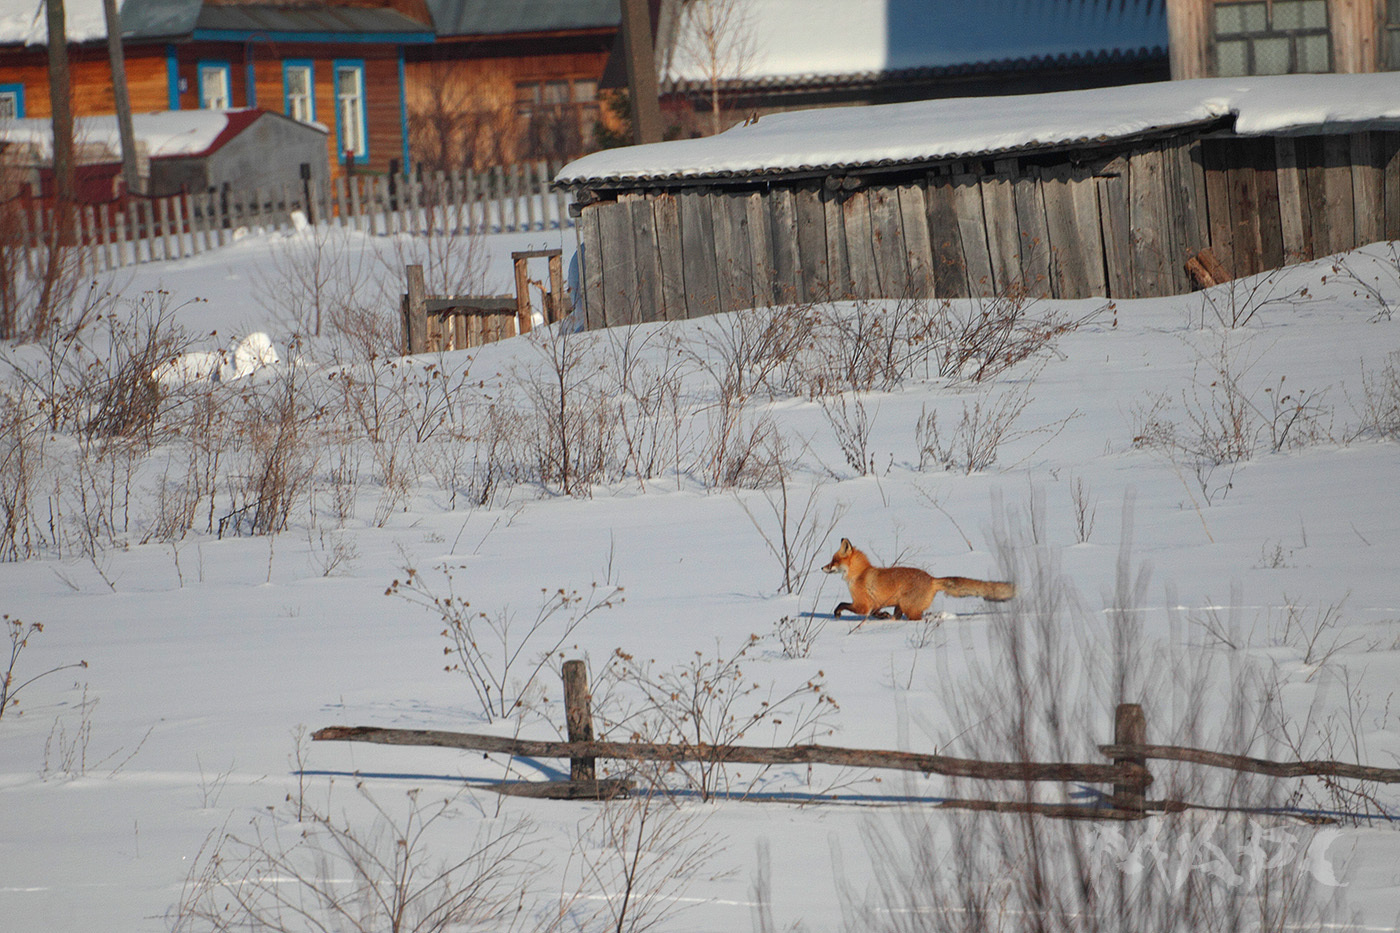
(909, 590)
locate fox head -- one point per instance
(841, 558)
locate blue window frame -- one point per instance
(215, 85)
(11, 101)
(351, 126)
(299, 89)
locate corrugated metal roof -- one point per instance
(322, 20)
(505, 17)
(152, 19)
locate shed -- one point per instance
(1075, 194)
(191, 150)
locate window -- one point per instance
(557, 116)
(351, 132)
(214, 86)
(298, 84)
(1259, 37)
(11, 101)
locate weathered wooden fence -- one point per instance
(433, 323)
(137, 230)
(1127, 773)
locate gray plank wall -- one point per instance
(1118, 223)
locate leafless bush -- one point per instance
(1375, 283)
(40, 276)
(500, 656)
(278, 457)
(461, 119)
(1237, 302)
(747, 350)
(1379, 408)
(977, 339)
(318, 277)
(450, 246)
(23, 439)
(851, 423)
(650, 411)
(323, 872)
(574, 427)
(1085, 509)
(1043, 697)
(799, 529)
(711, 703)
(797, 635)
(974, 442)
(19, 635)
(638, 857)
(863, 346)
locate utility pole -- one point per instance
(641, 71)
(61, 102)
(121, 96)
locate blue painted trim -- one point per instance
(378, 38)
(361, 158)
(222, 66)
(403, 112)
(250, 85)
(310, 66)
(18, 91)
(172, 77)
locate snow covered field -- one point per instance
(210, 658)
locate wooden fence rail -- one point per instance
(510, 199)
(1128, 773)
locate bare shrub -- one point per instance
(799, 529)
(851, 423)
(23, 439)
(500, 656)
(1041, 697)
(797, 635)
(574, 429)
(745, 351)
(650, 411)
(638, 856)
(278, 456)
(1086, 509)
(19, 635)
(318, 277)
(1379, 408)
(973, 444)
(459, 118)
(710, 703)
(323, 872)
(1372, 284)
(1236, 303)
(978, 338)
(40, 276)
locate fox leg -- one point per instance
(853, 608)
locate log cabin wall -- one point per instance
(1118, 221)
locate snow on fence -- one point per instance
(1128, 773)
(509, 199)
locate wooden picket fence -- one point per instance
(509, 199)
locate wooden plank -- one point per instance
(838, 266)
(1292, 201)
(1003, 232)
(1072, 218)
(887, 240)
(163, 208)
(591, 266)
(1245, 234)
(811, 244)
(619, 256)
(104, 235)
(972, 230)
(698, 247)
(1149, 215)
(1084, 199)
(1034, 234)
(733, 260)
(1270, 219)
(415, 334)
(760, 248)
(949, 266)
(1213, 161)
(1194, 174)
(1115, 221)
(1184, 220)
(1367, 187)
(648, 259)
(860, 244)
(1337, 194)
(787, 278)
(918, 253)
(666, 228)
(1390, 160)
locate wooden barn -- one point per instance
(1105, 192)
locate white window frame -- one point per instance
(351, 125)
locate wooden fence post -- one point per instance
(578, 718)
(1130, 728)
(415, 330)
(522, 294)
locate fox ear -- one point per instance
(846, 546)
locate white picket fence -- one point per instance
(507, 199)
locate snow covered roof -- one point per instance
(766, 42)
(838, 139)
(165, 133)
(24, 22)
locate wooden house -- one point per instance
(507, 82)
(1226, 38)
(1106, 192)
(763, 56)
(338, 64)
